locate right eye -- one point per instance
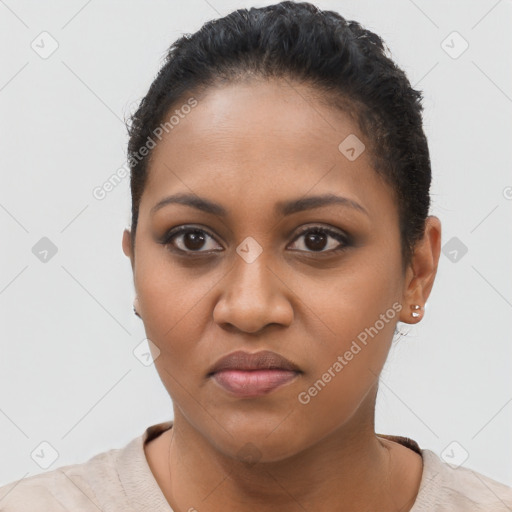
(188, 239)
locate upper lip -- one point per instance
(263, 360)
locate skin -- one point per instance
(247, 147)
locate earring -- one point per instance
(136, 301)
(416, 310)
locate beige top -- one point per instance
(120, 480)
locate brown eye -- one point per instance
(316, 239)
(187, 239)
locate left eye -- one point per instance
(317, 236)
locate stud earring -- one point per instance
(135, 302)
(416, 313)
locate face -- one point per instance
(320, 284)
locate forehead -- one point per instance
(260, 119)
(259, 139)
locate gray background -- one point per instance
(68, 374)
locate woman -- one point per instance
(280, 183)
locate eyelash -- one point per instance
(170, 235)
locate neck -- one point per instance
(351, 469)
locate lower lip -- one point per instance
(251, 383)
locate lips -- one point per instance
(263, 360)
(247, 375)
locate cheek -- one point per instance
(348, 319)
(177, 301)
(357, 315)
(354, 299)
(175, 306)
(171, 310)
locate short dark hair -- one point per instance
(348, 64)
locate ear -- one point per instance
(422, 271)
(127, 245)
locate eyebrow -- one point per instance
(283, 207)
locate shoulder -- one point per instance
(73, 487)
(458, 489)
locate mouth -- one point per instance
(246, 375)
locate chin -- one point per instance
(265, 440)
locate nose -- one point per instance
(252, 297)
